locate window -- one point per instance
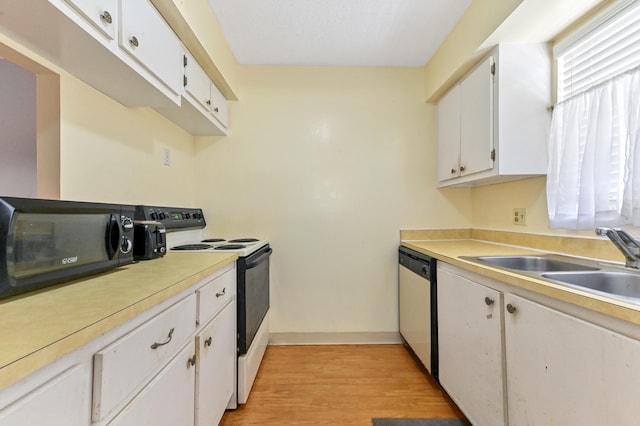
(594, 152)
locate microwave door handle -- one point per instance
(112, 236)
(255, 262)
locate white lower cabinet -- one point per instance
(168, 399)
(163, 367)
(124, 366)
(64, 400)
(216, 366)
(566, 371)
(470, 347)
(559, 368)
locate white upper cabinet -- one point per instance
(150, 41)
(219, 106)
(493, 125)
(204, 109)
(102, 14)
(125, 49)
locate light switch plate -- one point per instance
(166, 157)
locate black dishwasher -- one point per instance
(418, 307)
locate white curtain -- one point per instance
(594, 157)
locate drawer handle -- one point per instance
(106, 17)
(489, 301)
(208, 342)
(134, 41)
(157, 345)
(510, 308)
(191, 361)
(222, 293)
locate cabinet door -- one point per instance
(415, 314)
(197, 82)
(216, 368)
(219, 107)
(476, 120)
(168, 399)
(63, 401)
(449, 135)
(470, 347)
(565, 371)
(150, 41)
(101, 14)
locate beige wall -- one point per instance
(107, 152)
(328, 164)
(112, 153)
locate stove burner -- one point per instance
(244, 240)
(214, 240)
(230, 247)
(193, 247)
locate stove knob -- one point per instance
(161, 216)
(154, 216)
(126, 245)
(187, 215)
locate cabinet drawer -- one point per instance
(215, 295)
(63, 401)
(120, 369)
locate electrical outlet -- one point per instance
(166, 157)
(520, 216)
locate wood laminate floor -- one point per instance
(340, 385)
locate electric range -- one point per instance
(184, 234)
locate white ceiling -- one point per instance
(336, 32)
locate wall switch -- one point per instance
(520, 216)
(166, 157)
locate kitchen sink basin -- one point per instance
(534, 263)
(622, 284)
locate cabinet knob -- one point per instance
(216, 109)
(134, 41)
(208, 342)
(453, 171)
(191, 361)
(462, 168)
(106, 17)
(208, 102)
(510, 308)
(489, 301)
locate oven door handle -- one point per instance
(252, 263)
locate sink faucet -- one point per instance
(628, 245)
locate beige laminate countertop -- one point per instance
(450, 251)
(40, 327)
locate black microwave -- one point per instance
(46, 242)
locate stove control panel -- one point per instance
(172, 217)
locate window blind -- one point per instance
(604, 48)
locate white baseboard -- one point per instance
(352, 338)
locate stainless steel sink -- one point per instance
(624, 285)
(612, 281)
(534, 263)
